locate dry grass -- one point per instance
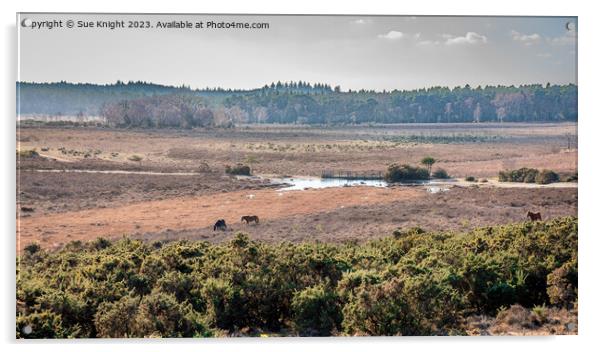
(517, 320)
(291, 150)
(308, 151)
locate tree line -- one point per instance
(305, 103)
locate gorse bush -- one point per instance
(27, 153)
(528, 175)
(547, 176)
(315, 311)
(238, 169)
(401, 173)
(574, 177)
(410, 283)
(440, 173)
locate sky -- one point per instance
(355, 52)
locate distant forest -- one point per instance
(142, 104)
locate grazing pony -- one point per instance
(220, 225)
(534, 216)
(250, 218)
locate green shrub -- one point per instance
(351, 280)
(545, 177)
(160, 314)
(401, 306)
(440, 173)
(40, 325)
(32, 248)
(100, 243)
(315, 311)
(239, 169)
(570, 178)
(403, 173)
(562, 285)
(470, 179)
(27, 153)
(414, 282)
(224, 304)
(528, 175)
(73, 311)
(524, 174)
(117, 319)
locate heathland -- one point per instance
(116, 213)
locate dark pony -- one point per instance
(220, 225)
(250, 218)
(534, 216)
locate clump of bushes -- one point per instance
(411, 283)
(440, 173)
(470, 179)
(528, 175)
(570, 178)
(315, 311)
(27, 153)
(562, 284)
(238, 169)
(404, 173)
(545, 177)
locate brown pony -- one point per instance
(534, 216)
(250, 218)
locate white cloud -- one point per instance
(469, 38)
(361, 21)
(526, 39)
(568, 38)
(392, 35)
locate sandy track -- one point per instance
(195, 212)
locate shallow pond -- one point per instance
(300, 183)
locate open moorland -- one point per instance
(116, 236)
(83, 183)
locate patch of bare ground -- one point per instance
(183, 213)
(459, 209)
(50, 192)
(520, 321)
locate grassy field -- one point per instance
(310, 150)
